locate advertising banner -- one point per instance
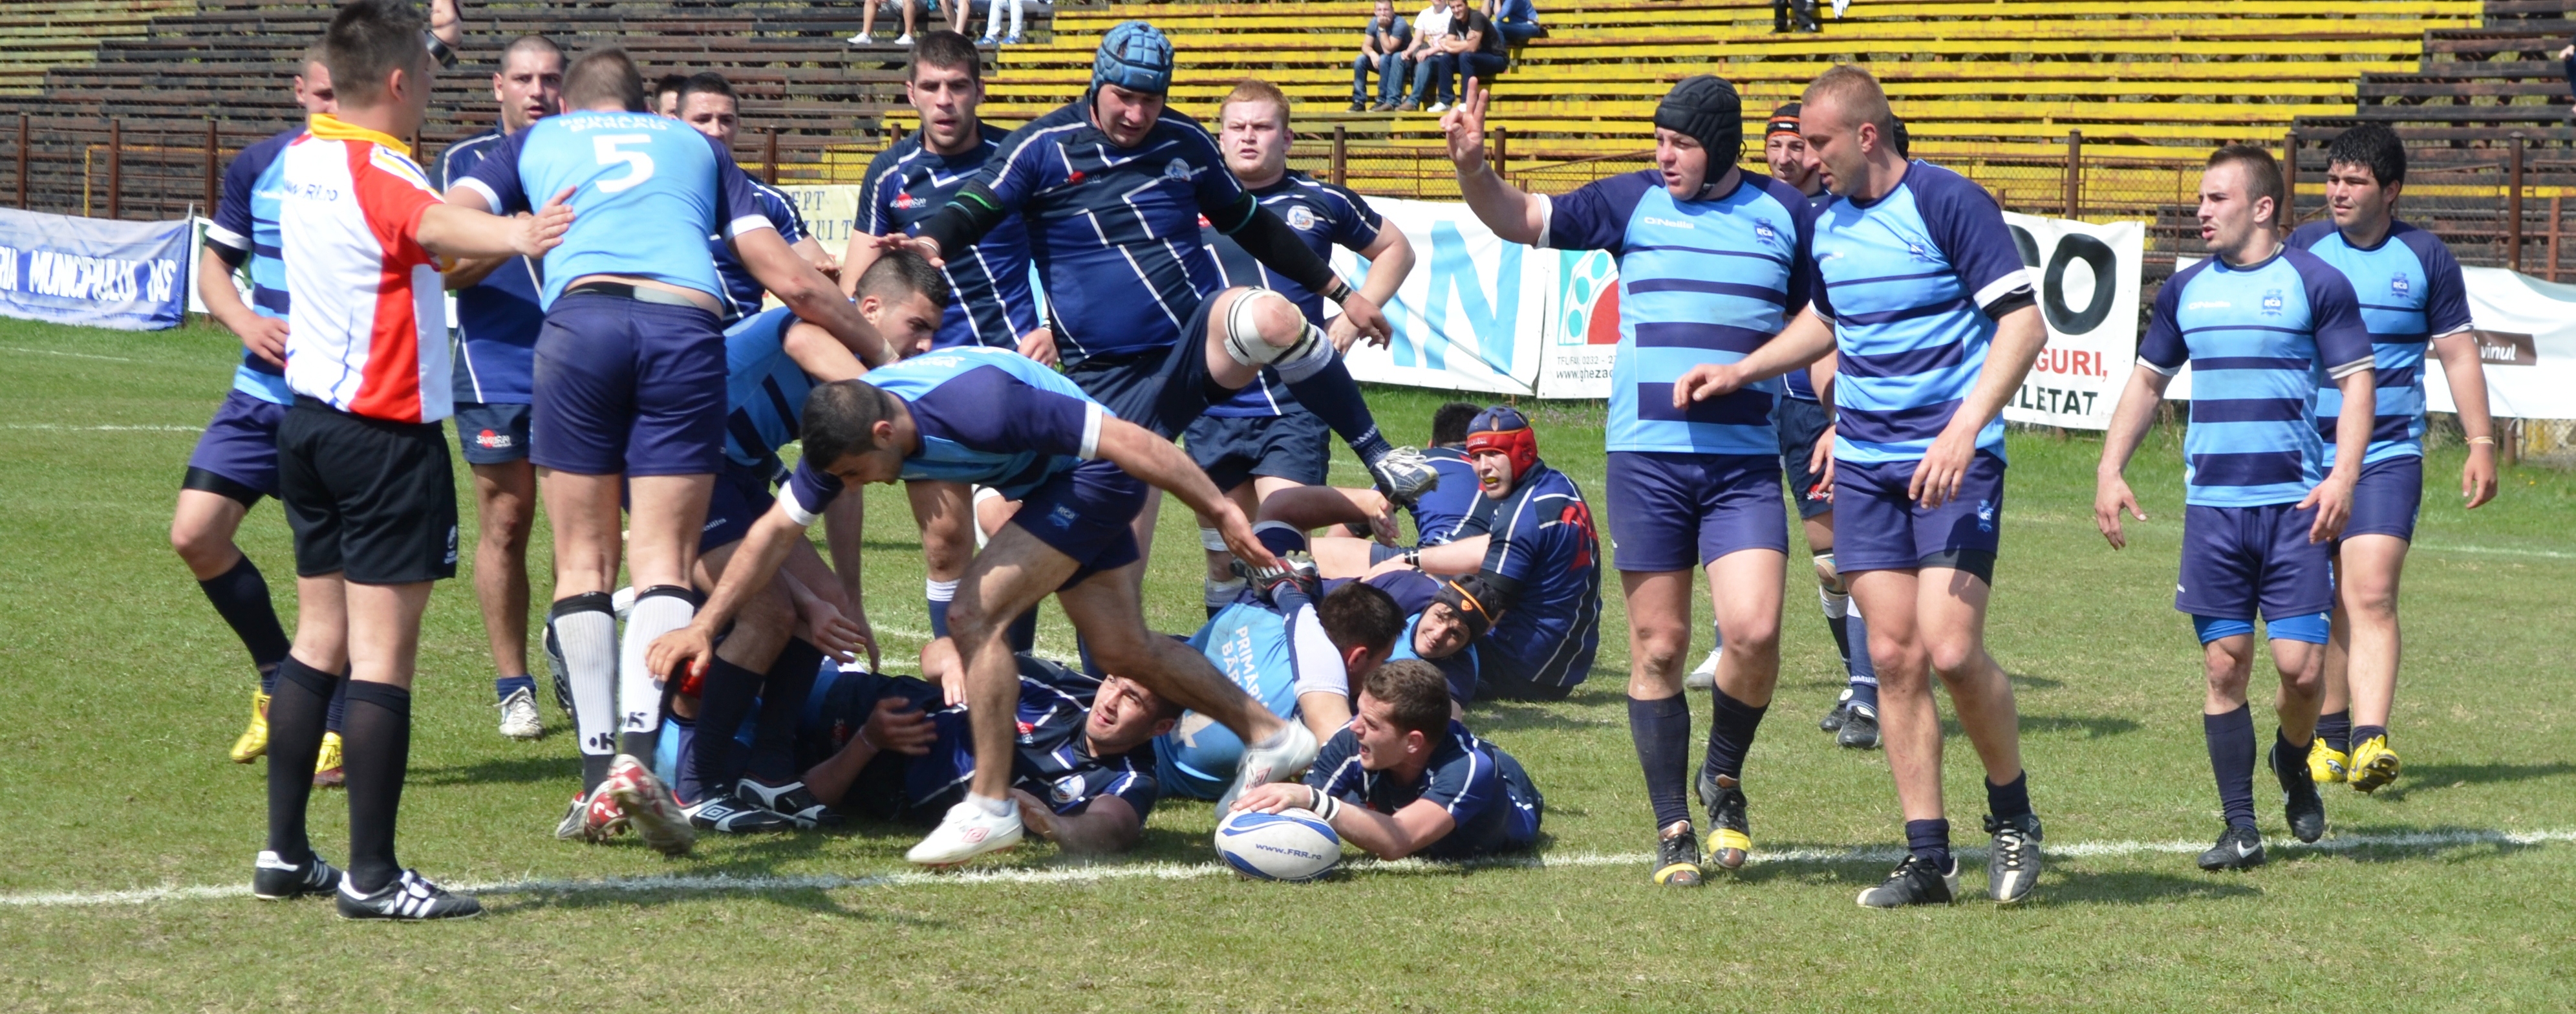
(2086, 277)
(92, 271)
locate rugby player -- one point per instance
(1712, 262)
(2411, 294)
(363, 469)
(990, 302)
(1443, 617)
(1539, 566)
(1922, 295)
(497, 319)
(628, 395)
(1261, 440)
(1113, 214)
(666, 94)
(2259, 323)
(1081, 473)
(235, 461)
(709, 106)
(1081, 775)
(1360, 523)
(1406, 778)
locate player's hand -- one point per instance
(1034, 814)
(1239, 538)
(688, 646)
(1820, 463)
(922, 245)
(2478, 476)
(1365, 319)
(2333, 501)
(540, 232)
(1039, 345)
(1937, 477)
(829, 265)
(1463, 127)
(1273, 797)
(840, 637)
(445, 23)
(265, 337)
(1344, 334)
(899, 727)
(2111, 498)
(1705, 381)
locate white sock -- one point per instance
(589, 641)
(1836, 606)
(639, 699)
(939, 591)
(991, 807)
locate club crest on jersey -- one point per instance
(1762, 230)
(1026, 729)
(1176, 169)
(1301, 218)
(1918, 250)
(2272, 302)
(1066, 789)
(907, 202)
(2400, 284)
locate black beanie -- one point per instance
(1705, 107)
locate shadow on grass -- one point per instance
(2449, 843)
(2437, 777)
(2022, 679)
(2074, 726)
(1487, 717)
(2139, 887)
(518, 770)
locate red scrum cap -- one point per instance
(1503, 429)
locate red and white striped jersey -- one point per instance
(367, 333)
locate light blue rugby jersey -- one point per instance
(2260, 340)
(1704, 281)
(244, 230)
(1913, 283)
(764, 389)
(1273, 656)
(648, 192)
(2411, 292)
(986, 416)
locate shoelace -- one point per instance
(2009, 843)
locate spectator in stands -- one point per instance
(1516, 19)
(911, 13)
(1472, 49)
(666, 94)
(2567, 60)
(993, 23)
(1429, 28)
(1797, 15)
(1382, 46)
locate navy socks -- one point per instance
(2231, 761)
(1662, 730)
(1730, 734)
(240, 596)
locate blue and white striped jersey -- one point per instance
(985, 416)
(1115, 231)
(764, 389)
(2411, 293)
(1913, 283)
(648, 191)
(1324, 216)
(2260, 340)
(1700, 282)
(244, 233)
(497, 319)
(989, 302)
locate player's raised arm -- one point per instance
(451, 230)
(1513, 215)
(804, 289)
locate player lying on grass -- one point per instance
(1407, 779)
(1083, 475)
(893, 748)
(1443, 617)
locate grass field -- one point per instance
(122, 690)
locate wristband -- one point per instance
(1413, 558)
(438, 48)
(2474, 441)
(1324, 806)
(872, 744)
(1339, 291)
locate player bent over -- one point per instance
(362, 463)
(2259, 322)
(1922, 297)
(1407, 779)
(2411, 293)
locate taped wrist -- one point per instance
(1324, 805)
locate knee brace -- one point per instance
(1295, 361)
(1829, 576)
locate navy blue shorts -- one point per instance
(2236, 560)
(2387, 499)
(237, 456)
(1232, 450)
(1878, 527)
(1800, 423)
(623, 386)
(1163, 390)
(1663, 506)
(492, 433)
(740, 497)
(1085, 513)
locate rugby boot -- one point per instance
(2012, 861)
(2300, 804)
(2372, 765)
(1914, 882)
(253, 743)
(2238, 848)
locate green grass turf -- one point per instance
(123, 689)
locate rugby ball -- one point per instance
(1291, 845)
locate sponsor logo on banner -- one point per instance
(92, 271)
(2085, 277)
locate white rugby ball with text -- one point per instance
(1291, 845)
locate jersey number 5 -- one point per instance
(640, 165)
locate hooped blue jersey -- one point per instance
(989, 299)
(1115, 231)
(985, 416)
(647, 192)
(2260, 340)
(1323, 216)
(743, 294)
(1273, 656)
(1700, 282)
(2411, 292)
(497, 319)
(1495, 806)
(244, 233)
(764, 389)
(1913, 283)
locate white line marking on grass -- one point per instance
(2544, 554)
(721, 883)
(74, 355)
(104, 429)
